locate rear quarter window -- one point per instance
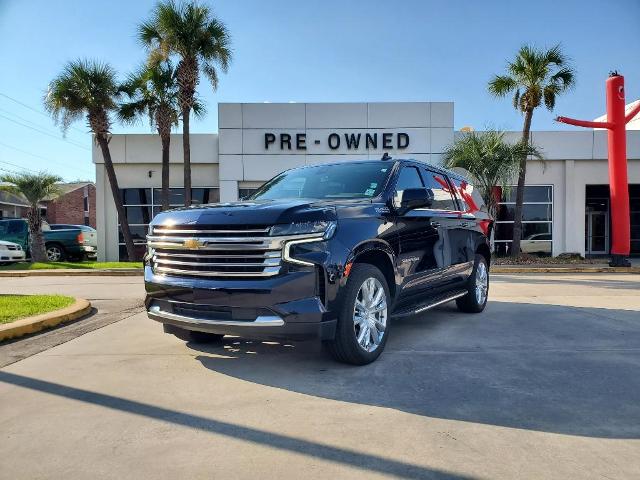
(468, 196)
(442, 198)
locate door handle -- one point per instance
(434, 224)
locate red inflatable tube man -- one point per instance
(617, 147)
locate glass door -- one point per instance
(597, 233)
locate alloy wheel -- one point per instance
(370, 314)
(482, 283)
(54, 254)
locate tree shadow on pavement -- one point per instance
(363, 461)
(528, 366)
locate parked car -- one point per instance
(334, 252)
(71, 243)
(11, 253)
(90, 236)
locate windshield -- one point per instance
(348, 180)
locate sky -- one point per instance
(316, 51)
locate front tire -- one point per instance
(478, 288)
(363, 318)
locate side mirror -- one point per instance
(413, 198)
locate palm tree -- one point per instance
(201, 42)
(35, 187)
(153, 91)
(490, 160)
(534, 77)
(88, 87)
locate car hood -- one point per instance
(257, 212)
(4, 242)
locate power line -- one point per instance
(43, 132)
(36, 125)
(18, 166)
(33, 109)
(39, 156)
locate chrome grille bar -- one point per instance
(271, 262)
(267, 272)
(171, 231)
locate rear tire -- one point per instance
(363, 317)
(192, 335)
(55, 252)
(478, 288)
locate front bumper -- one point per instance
(285, 306)
(12, 256)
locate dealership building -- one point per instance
(567, 207)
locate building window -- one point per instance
(246, 192)
(537, 221)
(142, 204)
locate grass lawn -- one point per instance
(77, 265)
(15, 307)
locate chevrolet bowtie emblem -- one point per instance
(193, 244)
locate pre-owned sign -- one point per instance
(353, 141)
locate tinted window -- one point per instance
(136, 196)
(468, 196)
(246, 192)
(532, 193)
(530, 212)
(442, 199)
(348, 180)
(408, 178)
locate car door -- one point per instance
(420, 254)
(469, 229)
(446, 215)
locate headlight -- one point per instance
(326, 227)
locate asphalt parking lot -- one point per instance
(543, 384)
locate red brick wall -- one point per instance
(69, 208)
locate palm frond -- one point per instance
(35, 187)
(83, 86)
(501, 85)
(149, 90)
(191, 32)
(535, 76)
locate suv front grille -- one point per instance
(214, 251)
(217, 250)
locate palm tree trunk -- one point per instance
(115, 192)
(166, 142)
(517, 216)
(36, 240)
(186, 147)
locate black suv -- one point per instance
(334, 252)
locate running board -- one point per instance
(439, 300)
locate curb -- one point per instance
(595, 269)
(73, 272)
(36, 323)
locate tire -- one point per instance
(476, 298)
(192, 335)
(345, 347)
(55, 252)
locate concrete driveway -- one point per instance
(544, 384)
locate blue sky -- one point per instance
(316, 51)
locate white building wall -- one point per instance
(134, 156)
(574, 160)
(244, 157)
